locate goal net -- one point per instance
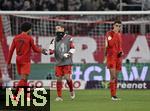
(88, 30)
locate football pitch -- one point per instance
(99, 100)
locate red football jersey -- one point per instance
(23, 43)
(114, 42)
(71, 46)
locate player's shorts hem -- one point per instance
(63, 70)
(24, 68)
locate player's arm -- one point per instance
(105, 47)
(105, 50)
(110, 40)
(120, 45)
(120, 48)
(52, 47)
(12, 48)
(72, 49)
(37, 49)
(34, 47)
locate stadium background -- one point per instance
(88, 30)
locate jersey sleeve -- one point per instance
(34, 47)
(72, 46)
(105, 47)
(52, 46)
(12, 48)
(110, 40)
(120, 44)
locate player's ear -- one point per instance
(113, 26)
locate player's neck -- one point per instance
(24, 33)
(27, 32)
(116, 31)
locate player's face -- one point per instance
(59, 29)
(117, 27)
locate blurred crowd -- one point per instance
(74, 5)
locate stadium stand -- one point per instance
(74, 5)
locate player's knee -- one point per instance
(67, 77)
(113, 77)
(59, 78)
(24, 76)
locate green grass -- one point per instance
(99, 100)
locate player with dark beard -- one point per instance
(63, 48)
(113, 55)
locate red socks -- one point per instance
(22, 83)
(70, 84)
(113, 87)
(59, 88)
(116, 82)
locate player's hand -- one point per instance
(44, 51)
(66, 55)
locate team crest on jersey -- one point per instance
(109, 37)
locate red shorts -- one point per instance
(62, 70)
(114, 63)
(23, 68)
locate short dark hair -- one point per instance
(26, 26)
(117, 21)
(60, 24)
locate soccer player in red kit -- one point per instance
(113, 56)
(23, 43)
(63, 48)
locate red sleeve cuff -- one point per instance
(51, 51)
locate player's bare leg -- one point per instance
(117, 72)
(59, 89)
(113, 79)
(116, 81)
(70, 84)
